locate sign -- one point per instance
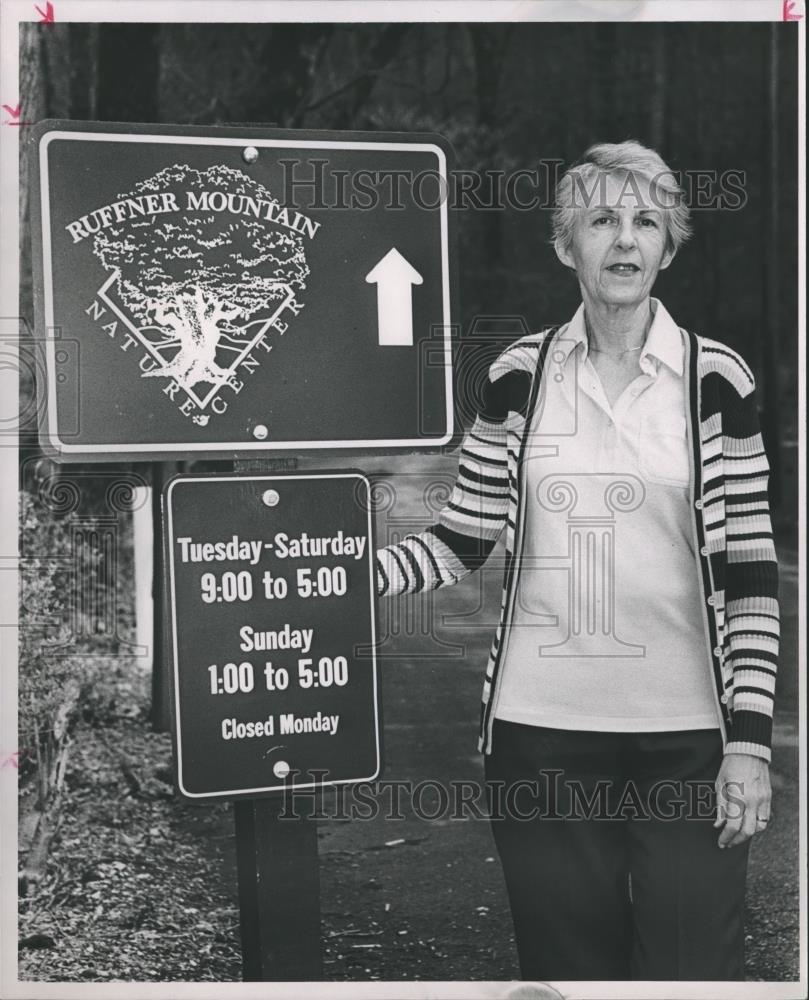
(225, 291)
(271, 591)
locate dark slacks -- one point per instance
(610, 857)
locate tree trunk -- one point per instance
(128, 72)
(383, 52)
(659, 74)
(289, 59)
(32, 87)
(489, 45)
(83, 71)
(39, 814)
(771, 354)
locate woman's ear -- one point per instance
(668, 257)
(564, 255)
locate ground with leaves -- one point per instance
(140, 886)
(131, 889)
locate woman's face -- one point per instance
(619, 241)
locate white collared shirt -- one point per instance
(607, 632)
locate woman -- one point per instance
(627, 706)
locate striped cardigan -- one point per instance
(730, 521)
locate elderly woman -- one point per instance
(627, 705)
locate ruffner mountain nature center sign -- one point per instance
(224, 291)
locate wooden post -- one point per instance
(144, 528)
(161, 686)
(771, 361)
(279, 891)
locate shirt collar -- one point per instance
(572, 336)
(664, 341)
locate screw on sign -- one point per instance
(271, 595)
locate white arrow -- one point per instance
(393, 277)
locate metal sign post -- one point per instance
(279, 893)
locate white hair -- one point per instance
(631, 159)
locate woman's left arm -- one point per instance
(751, 578)
(752, 623)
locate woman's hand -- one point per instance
(743, 798)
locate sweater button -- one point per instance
(711, 600)
(724, 699)
(704, 550)
(717, 651)
(698, 504)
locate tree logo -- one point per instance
(203, 264)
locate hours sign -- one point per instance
(225, 291)
(272, 632)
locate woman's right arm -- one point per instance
(469, 524)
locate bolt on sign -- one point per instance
(271, 593)
(224, 291)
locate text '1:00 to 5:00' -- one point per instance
(239, 678)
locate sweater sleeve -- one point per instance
(751, 582)
(469, 524)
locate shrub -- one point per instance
(76, 618)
